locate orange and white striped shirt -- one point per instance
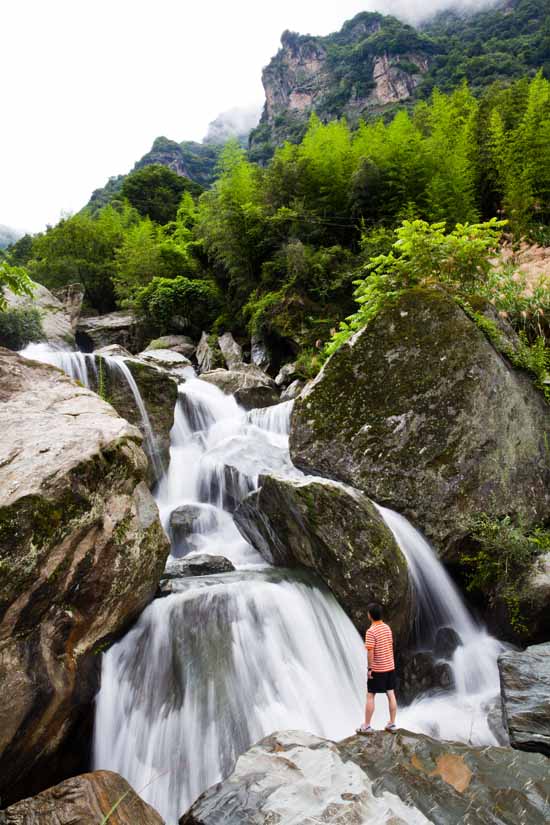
(379, 639)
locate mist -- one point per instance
(419, 11)
(236, 122)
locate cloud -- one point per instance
(418, 11)
(236, 122)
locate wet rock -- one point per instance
(454, 783)
(55, 317)
(251, 386)
(293, 390)
(496, 724)
(419, 673)
(167, 358)
(525, 690)
(159, 392)
(113, 350)
(286, 375)
(420, 412)
(340, 535)
(81, 553)
(231, 351)
(189, 519)
(259, 353)
(208, 354)
(200, 565)
(177, 343)
(227, 486)
(446, 642)
(84, 800)
(122, 328)
(406, 779)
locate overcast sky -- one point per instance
(88, 84)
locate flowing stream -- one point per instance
(229, 658)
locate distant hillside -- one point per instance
(8, 236)
(376, 63)
(196, 161)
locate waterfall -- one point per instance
(83, 367)
(461, 715)
(232, 657)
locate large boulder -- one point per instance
(167, 358)
(338, 533)
(72, 297)
(525, 690)
(81, 554)
(251, 387)
(191, 567)
(56, 319)
(423, 414)
(231, 351)
(260, 355)
(208, 354)
(122, 328)
(84, 800)
(177, 343)
(406, 779)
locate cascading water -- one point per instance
(464, 714)
(230, 658)
(83, 367)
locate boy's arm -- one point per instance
(369, 644)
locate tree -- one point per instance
(156, 191)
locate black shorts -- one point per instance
(381, 682)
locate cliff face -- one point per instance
(372, 62)
(376, 62)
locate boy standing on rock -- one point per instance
(381, 668)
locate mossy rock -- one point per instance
(422, 413)
(338, 533)
(81, 554)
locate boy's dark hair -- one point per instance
(375, 611)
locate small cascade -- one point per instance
(83, 367)
(228, 659)
(474, 662)
(217, 453)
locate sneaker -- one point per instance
(365, 730)
(391, 728)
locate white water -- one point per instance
(230, 658)
(83, 367)
(461, 715)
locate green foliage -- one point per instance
(500, 559)
(195, 303)
(422, 254)
(19, 327)
(533, 357)
(16, 279)
(82, 249)
(156, 191)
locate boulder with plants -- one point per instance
(337, 532)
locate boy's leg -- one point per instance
(392, 704)
(369, 710)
